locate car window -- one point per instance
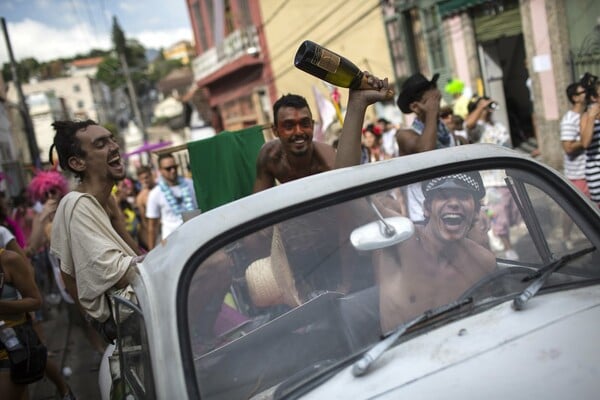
(329, 281)
(133, 355)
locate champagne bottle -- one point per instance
(330, 67)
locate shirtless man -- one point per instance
(293, 154)
(439, 263)
(146, 178)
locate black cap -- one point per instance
(411, 87)
(470, 181)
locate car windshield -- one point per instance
(328, 283)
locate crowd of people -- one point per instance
(78, 242)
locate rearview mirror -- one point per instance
(378, 235)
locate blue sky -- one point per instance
(49, 29)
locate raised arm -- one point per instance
(409, 142)
(348, 152)
(588, 119)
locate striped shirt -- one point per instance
(592, 164)
(574, 163)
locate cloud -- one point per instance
(30, 38)
(33, 39)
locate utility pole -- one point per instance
(120, 49)
(23, 108)
(136, 110)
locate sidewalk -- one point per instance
(69, 347)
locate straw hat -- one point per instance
(270, 280)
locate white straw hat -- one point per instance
(270, 280)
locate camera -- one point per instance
(588, 83)
(493, 105)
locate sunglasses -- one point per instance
(170, 168)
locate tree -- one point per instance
(26, 69)
(109, 72)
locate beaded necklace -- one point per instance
(181, 204)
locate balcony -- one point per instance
(236, 45)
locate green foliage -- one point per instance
(109, 72)
(26, 69)
(118, 37)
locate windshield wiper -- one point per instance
(361, 366)
(543, 274)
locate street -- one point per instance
(69, 348)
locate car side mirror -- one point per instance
(384, 232)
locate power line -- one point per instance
(91, 19)
(335, 36)
(272, 16)
(326, 15)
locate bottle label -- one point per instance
(326, 60)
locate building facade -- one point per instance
(522, 53)
(182, 51)
(232, 70)
(246, 57)
(78, 97)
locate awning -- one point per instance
(449, 7)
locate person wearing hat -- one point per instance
(439, 262)
(427, 132)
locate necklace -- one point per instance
(178, 204)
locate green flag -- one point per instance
(224, 166)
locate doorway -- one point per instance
(505, 79)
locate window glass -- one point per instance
(132, 350)
(312, 289)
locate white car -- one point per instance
(322, 288)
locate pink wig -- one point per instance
(44, 181)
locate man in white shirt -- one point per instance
(172, 196)
(388, 138)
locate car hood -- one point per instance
(549, 349)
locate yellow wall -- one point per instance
(182, 51)
(363, 42)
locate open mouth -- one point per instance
(453, 219)
(299, 139)
(115, 161)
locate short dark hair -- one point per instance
(144, 169)
(66, 143)
(572, 91)
(446, 111)
(288, 100)
(164, 156)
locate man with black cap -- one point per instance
(427, 132)
(439, 262)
